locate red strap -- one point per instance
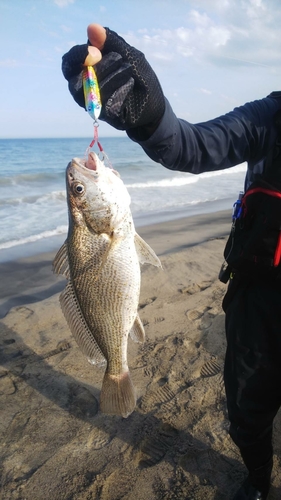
(95, 139)
(277, 255)
(270, 192)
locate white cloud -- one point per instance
(65, 28)
(219, 35)
(9, 63)
(205, 91)
(183, 34)
(254, 8)
(202, 36)
(161, 56)
(244, 32)
(199, 19)
(63, 3)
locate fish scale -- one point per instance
(104, 298)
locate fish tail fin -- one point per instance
(117, 395)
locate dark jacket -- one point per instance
(246, 134)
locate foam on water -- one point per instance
(33, 197)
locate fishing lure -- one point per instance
(93, 106)
(92, 100)
(91, 93)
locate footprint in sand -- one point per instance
(196, 287)
(157, 397)
(98, 439)
(7, 386)
(159, 320)
(204, 315)
(210, 369)
(118, 485)
(221, 381)
(197, 459)
(25, 312)
(8, 341)
(62, 346)
(145, 322)
(205, 322)
(16, 429)
(168, 409)
(196, 314)
(146, 302)
(154, 447)
(81, 401)
(218, 293)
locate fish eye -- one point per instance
(78, 188)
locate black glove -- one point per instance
(131, 95)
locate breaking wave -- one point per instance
(36, 237)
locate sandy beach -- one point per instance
(57, 445)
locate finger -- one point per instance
(96, 35)
(93, 57)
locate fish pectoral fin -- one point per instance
(145, 252)
(117, 395)
(137, 332)
(60, 262)
(78, 326)
(111, 242)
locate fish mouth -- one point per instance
(91, 163)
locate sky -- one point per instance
(209, 55)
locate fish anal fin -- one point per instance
(137, 332)
(145, 252)
(60, 262)
(78, 326)
(117, 395)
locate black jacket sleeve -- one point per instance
(245, 134)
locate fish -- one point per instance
(101, 260)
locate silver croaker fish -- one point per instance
(101, 260)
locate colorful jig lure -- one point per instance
(91, 92)
(92, 102)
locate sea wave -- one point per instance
(186, 179)
(138, 208)
(29, 178)
(39, 199)
(35, 237)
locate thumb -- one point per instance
(96, 35)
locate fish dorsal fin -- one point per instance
(137, 332)
(60, 262)
(78, 326)
(145, 252)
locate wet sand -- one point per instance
(56, 444)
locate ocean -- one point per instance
(33, 196)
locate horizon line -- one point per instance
(63, 137)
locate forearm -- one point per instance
(226, 141)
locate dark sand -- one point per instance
(55, 443)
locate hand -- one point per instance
(131, 95)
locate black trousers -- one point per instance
(253, 365)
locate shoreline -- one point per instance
(30, 278)
(53, 243)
